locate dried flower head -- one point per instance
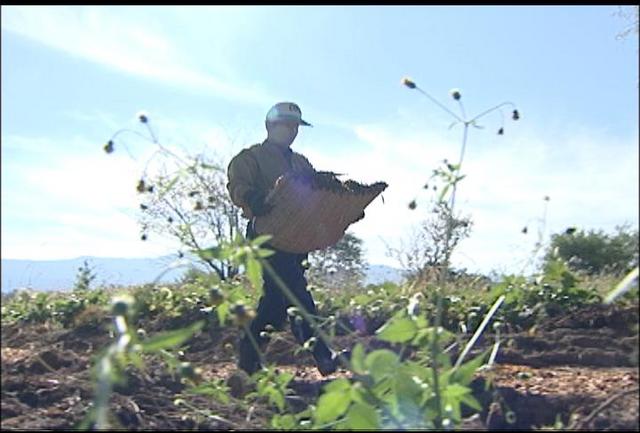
(570, 230)
(412, 205)
(516, 115)
(141, 186)
(501, 131)
(455, 94)
(242, 315)
(407, 82)
(143, 237)
(198, 205)
(121, 305)
(524, 230)
(109, 146)
(142, 117)
(216, 296)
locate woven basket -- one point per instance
(312, 211)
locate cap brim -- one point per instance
(305, 123)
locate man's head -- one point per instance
(282, 123)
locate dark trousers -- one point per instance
(273, 305)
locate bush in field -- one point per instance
(595, 252)
(84, 277)
(427, 250)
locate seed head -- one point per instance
(141, 186)
(142, 117)
(121, 304)
(109, 146)
(143, 206)
(501, 131)
(516, 115)
(570, 230)
(198, 205)
(143, 237)
(524, 230)
(242, 314)
(216, 296)
(407, 82)
(455, 94)
(412, 205)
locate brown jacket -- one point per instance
(258, 167)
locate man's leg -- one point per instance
(302, 330)
(271, 310)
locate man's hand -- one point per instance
(255, 200)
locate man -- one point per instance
(252, 174)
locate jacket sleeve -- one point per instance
(242, 178)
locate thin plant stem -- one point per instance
(439, 104)
(490, 110)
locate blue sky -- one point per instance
(206, 76)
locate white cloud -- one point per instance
(590, 178)
(72, 205)
(110, 37)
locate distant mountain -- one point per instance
(378, 274)
(61, 274)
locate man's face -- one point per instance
(283, 132)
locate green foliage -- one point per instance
(85, 277)
(594, 252)
(340, 265)
(430, 247)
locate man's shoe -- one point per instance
(328, 366)
(249, 367)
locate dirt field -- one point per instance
(580, 369)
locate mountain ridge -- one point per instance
(60, 275)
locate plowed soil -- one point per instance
(578, 371)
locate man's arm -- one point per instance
(242, 180)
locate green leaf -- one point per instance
(276, 397)
(363, 417)
(331, 405)
(171, 339)
(338, 385)
(455, 391)
(223, 311)
(398, 330)
(263, 253)
(283, 379)
(471, 401)
(443, 192)
(170, 185)
(212, 253)
(208, 166)
(357, 359)
(464, 373)
(283, 422)
(254, 273)
(212, 391)
(261, 240)
(381, 363)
